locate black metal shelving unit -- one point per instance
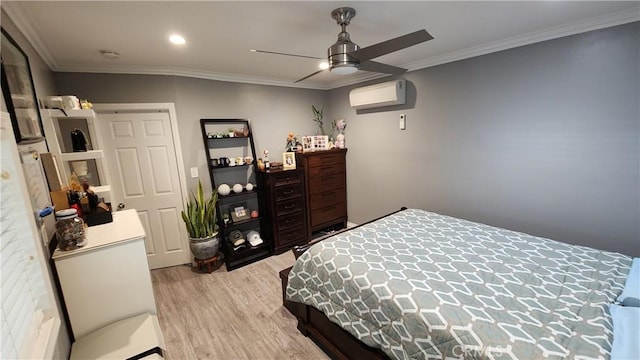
(218, 144)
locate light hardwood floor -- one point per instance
(229, 315)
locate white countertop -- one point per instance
(126, 226)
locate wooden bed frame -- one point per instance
(331, 338)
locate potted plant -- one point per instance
(318, 114)
(200, 221)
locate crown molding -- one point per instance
(22, 21)
(555, 32)
(199, 74)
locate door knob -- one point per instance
(120, 206)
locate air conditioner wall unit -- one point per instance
(378, 95)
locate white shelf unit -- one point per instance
(83, 155)
(52, 119)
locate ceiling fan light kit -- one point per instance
(346, 57)
(344, 69)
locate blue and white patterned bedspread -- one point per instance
(419, 285)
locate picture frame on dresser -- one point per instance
(288, 160)
(19, 92)
(315, 143)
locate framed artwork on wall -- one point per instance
(19, 92)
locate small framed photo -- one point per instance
(321, 142)
(307, 143)
(288, 160)
(239, 212)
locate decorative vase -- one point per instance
(204, 248)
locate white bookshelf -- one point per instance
(52, 119)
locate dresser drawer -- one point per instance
(297, 234)
(289, 192)
(321, 216)
(289, 206)
(326, 198)
(326, 159)
(287, 177)
(331, 169)
(290, 221)
(326, 183)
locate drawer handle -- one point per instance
(290, 206)
(289, 221)
(288, 192)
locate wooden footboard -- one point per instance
(331, 338)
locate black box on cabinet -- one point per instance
(98, 217)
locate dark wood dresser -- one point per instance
(285, 207)
(325, 177)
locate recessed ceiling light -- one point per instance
(323, 65)
(177, 39)
(109, 54)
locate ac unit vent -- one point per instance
(378, 95)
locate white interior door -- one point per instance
(141, 157)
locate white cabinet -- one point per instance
(57, 125)
(108, 279)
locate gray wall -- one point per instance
(542, 139)
(273, 111)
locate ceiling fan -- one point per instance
(346, 57)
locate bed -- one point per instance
(416, 284)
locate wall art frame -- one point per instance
(19, 92)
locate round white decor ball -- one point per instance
(237, 188)
(249, 186)
(224, 189)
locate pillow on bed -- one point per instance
(626, 332)
(631, 294)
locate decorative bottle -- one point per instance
(265, 160)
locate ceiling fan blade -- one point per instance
(381, 68)
(310, 75)
(389, 46)
(285, 54)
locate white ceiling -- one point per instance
(69, 34)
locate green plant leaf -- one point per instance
(199, 215)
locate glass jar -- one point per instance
(69, 229)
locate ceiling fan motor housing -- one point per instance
(338, 53)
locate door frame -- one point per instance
(170, 108)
